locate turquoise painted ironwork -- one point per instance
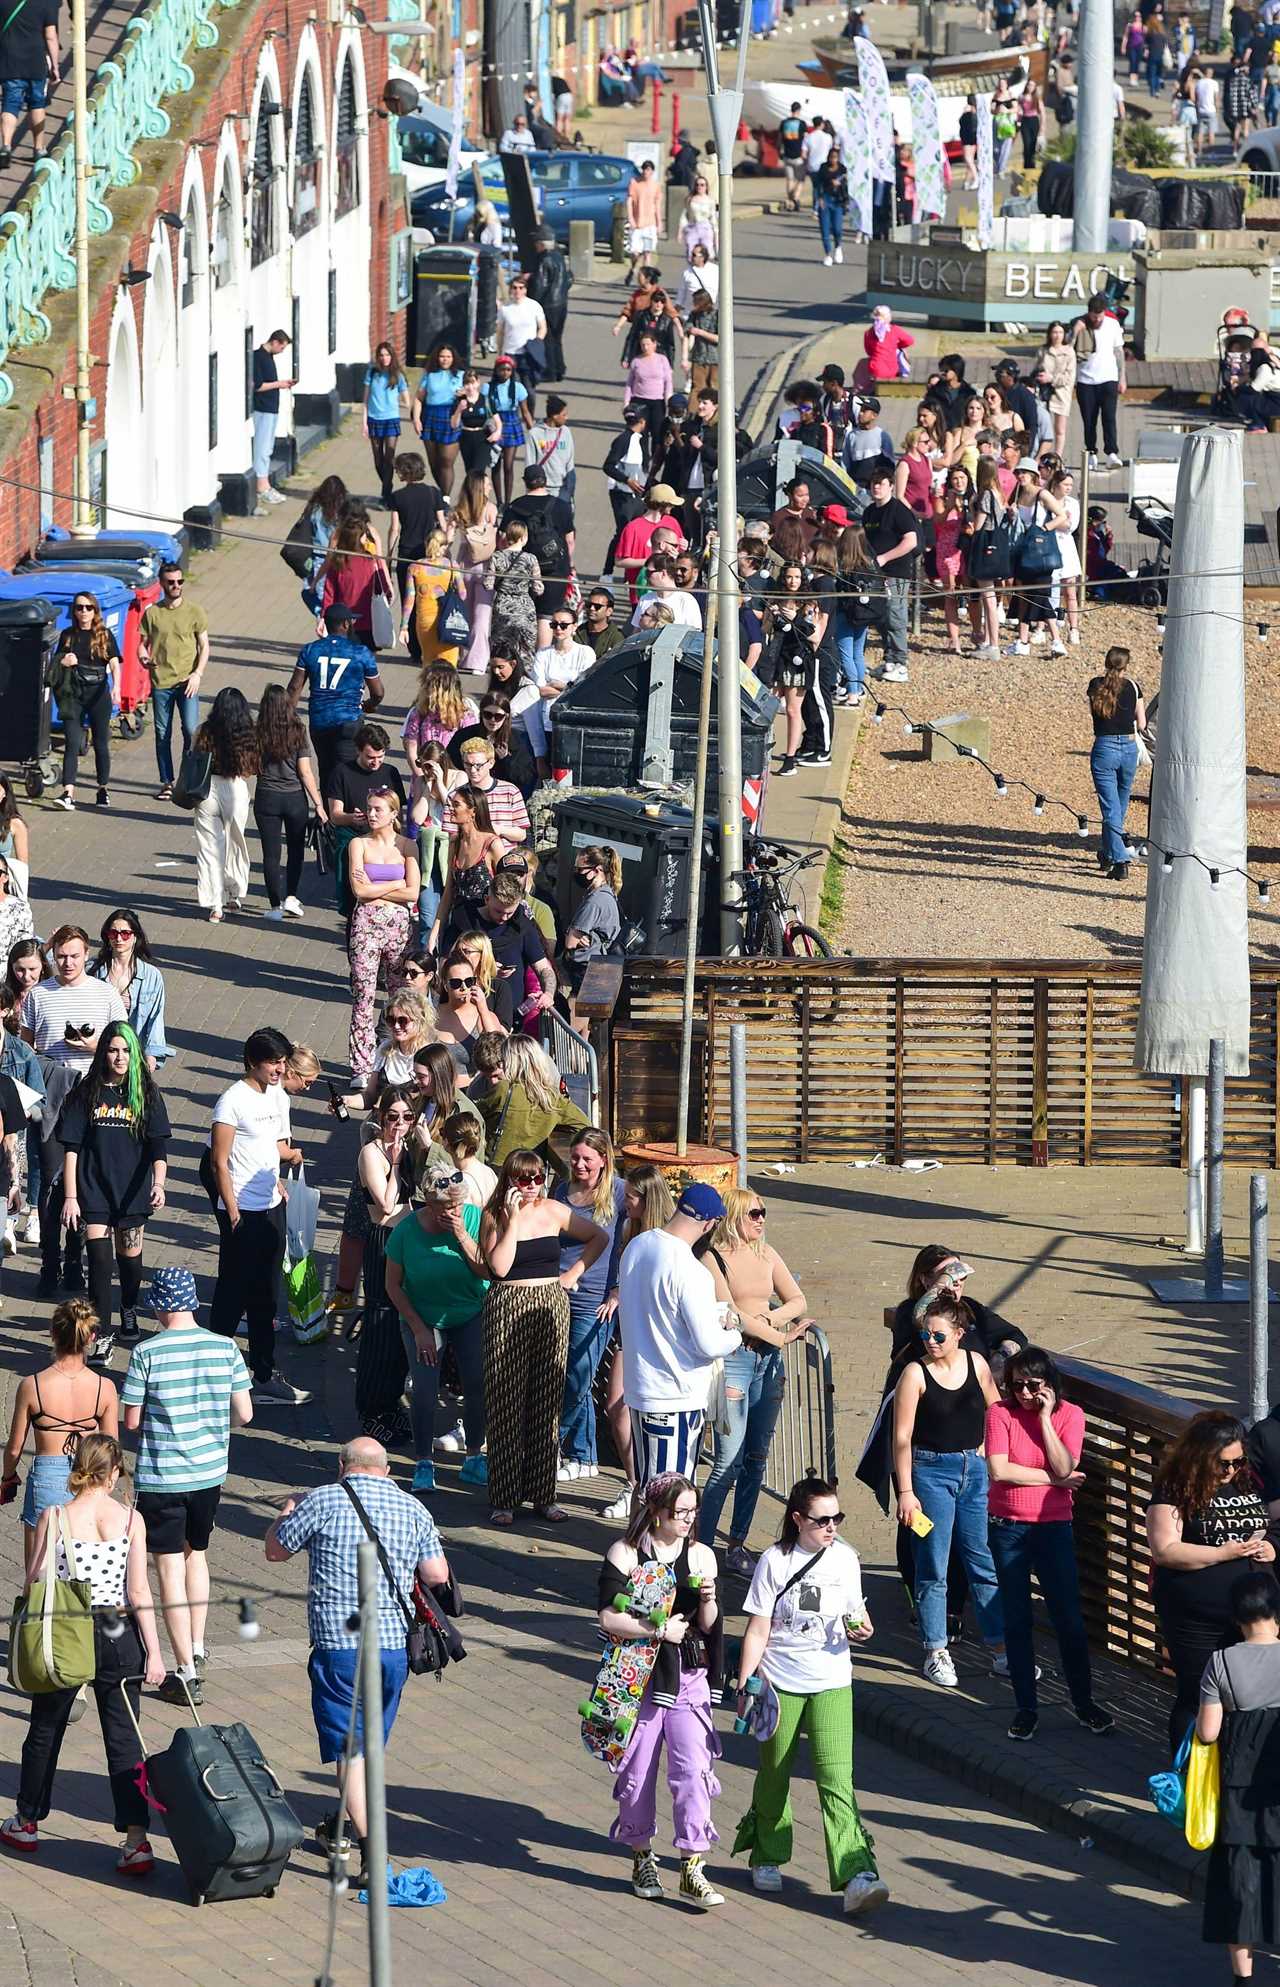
(126, 107)
(398, 45)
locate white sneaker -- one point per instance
(939, 1669)
(1057, 648)
(620, 1507)
(568, 1472)
(894, 672)
(588, 1469)
(1115, 462)
(1000, 1667)
(270, 496)
(1038, 637)
(274, 916)
(1092, 461)
(454, 1441)
(292, 908)
(10, 1239)
(766, 1877)
(839, 255)
(31, 1233)
(1074, 638)
(826, 262)
(865, 1894)
(1018, 648)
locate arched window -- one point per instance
(347, 145)
(224, 257)
(307, 159)
(190, 252)
(263, 232)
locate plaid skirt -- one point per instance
(437, 426)
(513, 435)
(384, 431)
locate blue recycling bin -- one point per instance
(58, 547)
(60, 587)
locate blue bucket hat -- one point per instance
(173, 1289)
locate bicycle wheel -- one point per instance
(803, 942)
(773, 936)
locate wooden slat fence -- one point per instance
(998, 1062)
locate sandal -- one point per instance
(503, 1518)
(555, 1514)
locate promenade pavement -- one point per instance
(487, 1781)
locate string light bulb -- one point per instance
(1264, 630)
(1166, 867)
(1037, 805)
(1002, 786)
(1264, 893)
(878, 718)
(1215, 878)
(909, 729)
(1082, 826)
(250, 1626)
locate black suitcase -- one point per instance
(227, 1816)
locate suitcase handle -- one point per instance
(204, 1782)
(133, 1721)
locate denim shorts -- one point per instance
(333, 1679)
(46, 1485)
(23, 93)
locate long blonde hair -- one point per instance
(657, 1204)
(729, 1232)
(440, 696)
(531, 1067)
(602, 1210)
(409, 1001)
(474, 949)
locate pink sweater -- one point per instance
(650, 378)
(1015, 1433)
(882, 353)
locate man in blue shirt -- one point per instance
(342, 684)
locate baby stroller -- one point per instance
(1235, 338)
(1154, 520)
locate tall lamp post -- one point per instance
(84, 523)
(726, 115)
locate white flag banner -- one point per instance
(857, 157)
(926, 143)
(459, 118)
(873, 88)
(986, 174)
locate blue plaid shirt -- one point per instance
(328, 1525)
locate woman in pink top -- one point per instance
(649, 382)
(1033, 1445)
(882, 344)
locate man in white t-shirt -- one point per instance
(1098, 342)
(671, 1336)
(814, 151)
(248, 1139)
(662, 587)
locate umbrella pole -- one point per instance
(1195, 1165)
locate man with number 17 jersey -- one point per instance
(342, 683)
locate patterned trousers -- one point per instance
(379, 935)
(526, 1350)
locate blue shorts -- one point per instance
(333, 1678)
(46, 1485)
(23, 93)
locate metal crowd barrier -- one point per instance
(576, 1061)
(805, 1437)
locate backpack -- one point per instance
(546, 545)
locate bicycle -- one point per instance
(775, 926)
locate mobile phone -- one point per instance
(921, 1525)
(528, 1007)
(336, 1103)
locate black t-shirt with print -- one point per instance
(23, 50)
(113, 1172)
(349, 785)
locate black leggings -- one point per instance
(281, 815)
(94, 719)
(115, 1660)
(383, 449)
(381, 1366)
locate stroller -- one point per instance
(1154, 519)
(1235, 338)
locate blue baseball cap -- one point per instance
(700, 1202)
(173, 1289)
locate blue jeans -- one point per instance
(1113, 763)
(851, 646)
(588, 1337)
(1155, 76)
(759, 1381)
(424, 1387)
(428, 904)
(952, 1488)
(1048, 1551)
(830, 221)
(162, 708)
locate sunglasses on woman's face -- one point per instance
(933, 1338)
(414, 972)
(562, 625)
(84, 607)
(1228, 1465)
(494, 717)
(829, 1518)
(117, 931)
(530, 1179)
(461, 984)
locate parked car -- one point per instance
(424, 149)
(570, 186)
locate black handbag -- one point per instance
(990, 554)
(195, 778)
(1037, 554)
(322, 839)
(298, 550)
(431, 1641)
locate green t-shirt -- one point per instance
(172, 634)
(439, 1282)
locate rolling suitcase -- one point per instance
(226, 1813)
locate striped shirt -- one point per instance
(49, 1006)
(183, 1379)
(507, 811)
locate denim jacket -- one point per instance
(146, 1009)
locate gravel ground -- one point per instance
(935, 862)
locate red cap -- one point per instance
(836, 514)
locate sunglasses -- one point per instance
(399, 1118)
(414, 972)
(440, 1183)
(933, 1338)
(119, 931)
(834, 1518)
(175, 579)
(400, 1020)
(1026, 1386)
(1229, 1466)
(84, 606)
(529, 1179)
(562, 624)
(493, 714)
(460, 985)
(756, 1213)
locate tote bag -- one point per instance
(1038, 554)
(51, 1628)
(382, 624)
(453, 624)
(195, 778)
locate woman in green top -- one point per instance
(523, 1103)
(437, 1281)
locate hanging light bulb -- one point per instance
(1160, 631)
(1215, 878)
(879, 714)
(1002, 786)
(1037, 805)
(250, 1626)
(1166, 867)
(909, 729)
(1082, 825)
(1141, 851)
(1264, 630)
(1264, 893)
(112, 1624)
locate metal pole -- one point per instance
(1259, 1299)
(1195, 1165)
(1213, 1216)
(375, 1780)
(725, 107)
(738, 1094)
(1095, 127)
(84, 524)
(1083, 532)
(695, 877)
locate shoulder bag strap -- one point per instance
(807, 1567)
(409, 1615)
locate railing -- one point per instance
(125, 108)
(575, 1059)
(805, 1437)
(995, 1062)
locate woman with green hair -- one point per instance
(115, 1132)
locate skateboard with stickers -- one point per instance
(609, 1714)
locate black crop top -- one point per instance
(950, 1421)
(535, 1259)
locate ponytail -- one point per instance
(73, 1327)
(607, 860)
(97, 1456)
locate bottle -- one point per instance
(336, 1102)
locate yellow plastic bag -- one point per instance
(1202, 1795)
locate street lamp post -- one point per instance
(83, 521)
(726, 115)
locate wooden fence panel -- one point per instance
(1019, 1062)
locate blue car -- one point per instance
(570, 186)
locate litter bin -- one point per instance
(617, 726)
(58, 547)
(654, 842)
(26, 635)
(443, 307)
(59, 588)
(488, 265)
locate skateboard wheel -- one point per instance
(586, 1712)
(623, 1722)
(753, 1687)
(623, 1603)
(657, 1617)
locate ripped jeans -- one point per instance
(754, 1384)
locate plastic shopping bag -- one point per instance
(301, 1213)
(305, 1294)
(1169, 1789)
(1202, 1795)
